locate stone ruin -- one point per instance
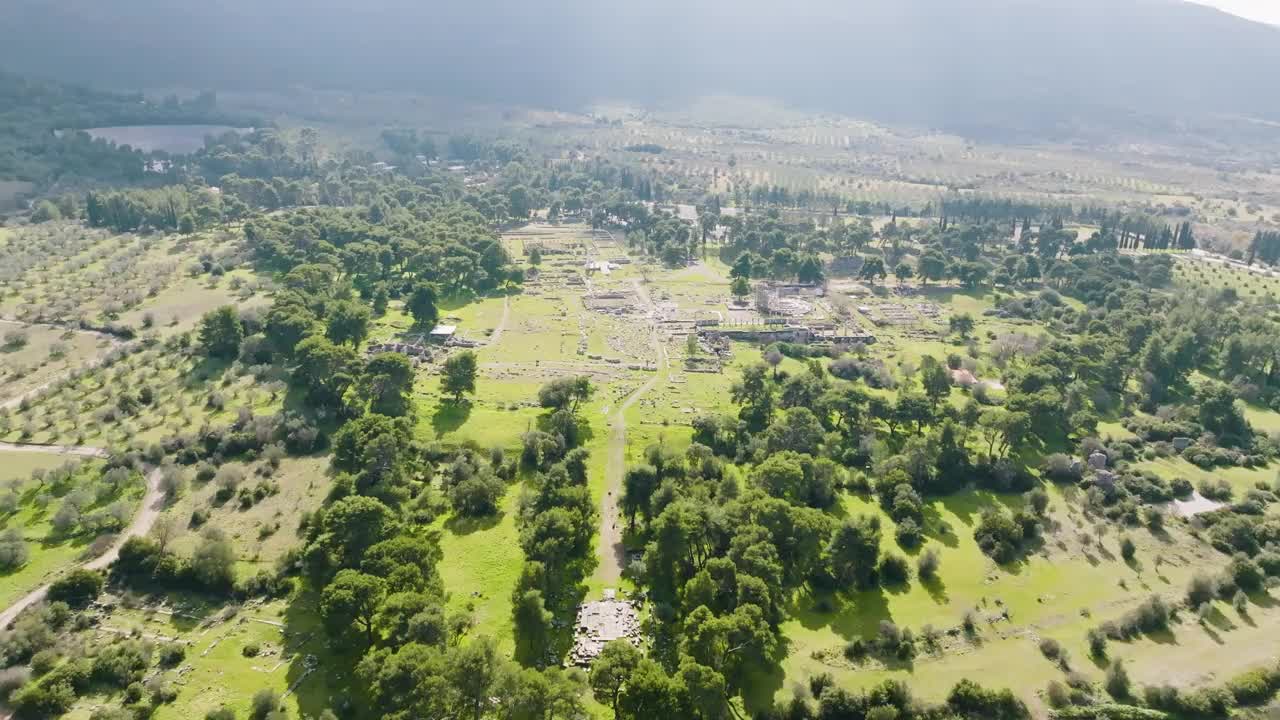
(617, 303)
(600, 623)
(415, 351)
(703, 364)
(929, 310)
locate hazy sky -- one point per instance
(1267, 11)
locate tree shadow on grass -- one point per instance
(459, 525)
(937, 529)
(1262, 599)
(1213, 634)
(206, 371)
(449, 417)
(967, 506)
(330, 684)
(849, 615)
(1163, 637)
(937, 589)
(1220, 621)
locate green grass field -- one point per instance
(18, 465)
(1076, 580)
(49, 553)
(263, 531)
(216, 671)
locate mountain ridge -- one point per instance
(998, 65)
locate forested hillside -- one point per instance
(40, 142)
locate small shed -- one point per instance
(442, 333)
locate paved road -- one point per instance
(152, 504)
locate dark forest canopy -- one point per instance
(975, 65)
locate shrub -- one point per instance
(477, 495)
(133, 693)
(1050, 648)
(13, 549)
(889, 636)
(1127, 547)
(883, 712)
(222, 713)
(1151, 615)
(908, 533)
(44, 661)
(1038, 500)
(1097, 643)
(77, 588)
(1254, 687)
(855, 649)
(820, 682)
(1269, 561)
(894, 569)
(122, 664)
(970, 700)
(205, 472)
(1164, 697)
(264, 703)
(1180, 487)
(1216, 489)
(1117, 680)
(43, 699)
(1153, 518)
(999, 535)
(12, 678)
(927, 565)
(1245, 573)
(1057, 694)
(171, 654)
(251, 650)
(1200, 590)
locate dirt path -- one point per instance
(76, 450)
(610, 548)
(148, 512)
(502, 324)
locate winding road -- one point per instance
(611, 550)
(143, 519)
